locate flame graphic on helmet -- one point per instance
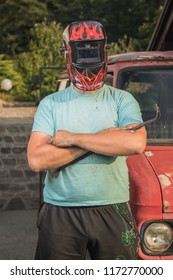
(87, 80)
(86, 31)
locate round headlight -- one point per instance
(158, 237)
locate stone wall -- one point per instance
(19, 185)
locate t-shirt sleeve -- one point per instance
(43, 119)
(129, 110)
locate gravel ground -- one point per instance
(18, 234)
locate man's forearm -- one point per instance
(110, 144)
(48, 156)
(113, 141)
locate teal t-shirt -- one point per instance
(96, 179)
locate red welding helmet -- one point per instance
(86, 55)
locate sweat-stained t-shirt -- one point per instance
(96, 179)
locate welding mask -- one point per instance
(86, 55)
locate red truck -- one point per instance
(148, 76)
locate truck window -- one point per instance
(152, 86)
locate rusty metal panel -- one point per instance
(145, 190)
(161, 158)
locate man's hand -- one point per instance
(62, 138)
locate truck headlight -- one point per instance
(158, 237)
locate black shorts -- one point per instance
(107, 232)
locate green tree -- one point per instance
(122, 46)
(17, 17)
(8, 71)
(135, 19)
(150, 12)
(66, 11)
(46, 39)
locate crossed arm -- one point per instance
(46, 152)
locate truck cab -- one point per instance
(148, 76)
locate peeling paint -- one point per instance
(165, 205)
(149, 154)
(164, 180)
(170, 175)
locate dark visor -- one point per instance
(88, 52)
(84, 54)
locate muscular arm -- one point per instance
(46, 152)
(42, 155)
(110, 142)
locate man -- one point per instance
(80, 136)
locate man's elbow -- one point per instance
(34, 165)
(140, 147)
